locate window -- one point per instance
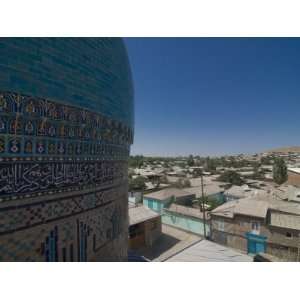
(158, 208)
(220, 225)
(150, 204)
(255, 226)
(289, 235)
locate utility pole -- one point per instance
(203, 206)
(298, 252)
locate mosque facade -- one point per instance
(66, 126)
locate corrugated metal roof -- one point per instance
(225, 210)
(187, 211)
(287, 206)
(251, 207)
(245, 206)
(140, 214)
(256, 206)
(244, 191)
(295, 170)
(210, 189)
(167, 193)
(285, 221)
(207, 251)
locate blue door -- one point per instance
(150, 203)
(256, 243)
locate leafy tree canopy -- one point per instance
(137, 184)
(182, 183)
(231, 177)
(279, 171)
(190, 161)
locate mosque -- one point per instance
(66, 126)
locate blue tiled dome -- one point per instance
(91, 73)
(66, 126)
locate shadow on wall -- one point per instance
(161, 245)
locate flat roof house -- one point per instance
(237, 192)
(157, 201)
(212, 191)
(186, 218)
(144, 227)
(207, 251)
(258, 224)
(294, 184)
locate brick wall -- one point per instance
(233, 234)
(293, 179)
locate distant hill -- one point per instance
(286, 149)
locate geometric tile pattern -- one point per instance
(105, 225)
(67, 168)
(32, 214)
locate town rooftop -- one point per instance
(207, 251)
(140, 214)
(167, 193)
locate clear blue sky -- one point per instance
(215, 96)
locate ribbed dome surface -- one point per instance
(92, 73)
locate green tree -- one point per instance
(257, 174)
(267, 160)
(210, 164)
(182, 183)
(190, 161)
(231, 177)
(279, 171)
(164, 179)
(137, 184)
(212, 203)
(136, 161)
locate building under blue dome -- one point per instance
(66, 126)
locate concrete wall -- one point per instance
(232, 232)
(285, 253)
(223, 232)
(185, 200)
(186, 223)
(135, 197)
(293, 193)
(150, 231)
(154, 204)
(293, 179)
(158, 205)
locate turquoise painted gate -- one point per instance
(256, 243)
